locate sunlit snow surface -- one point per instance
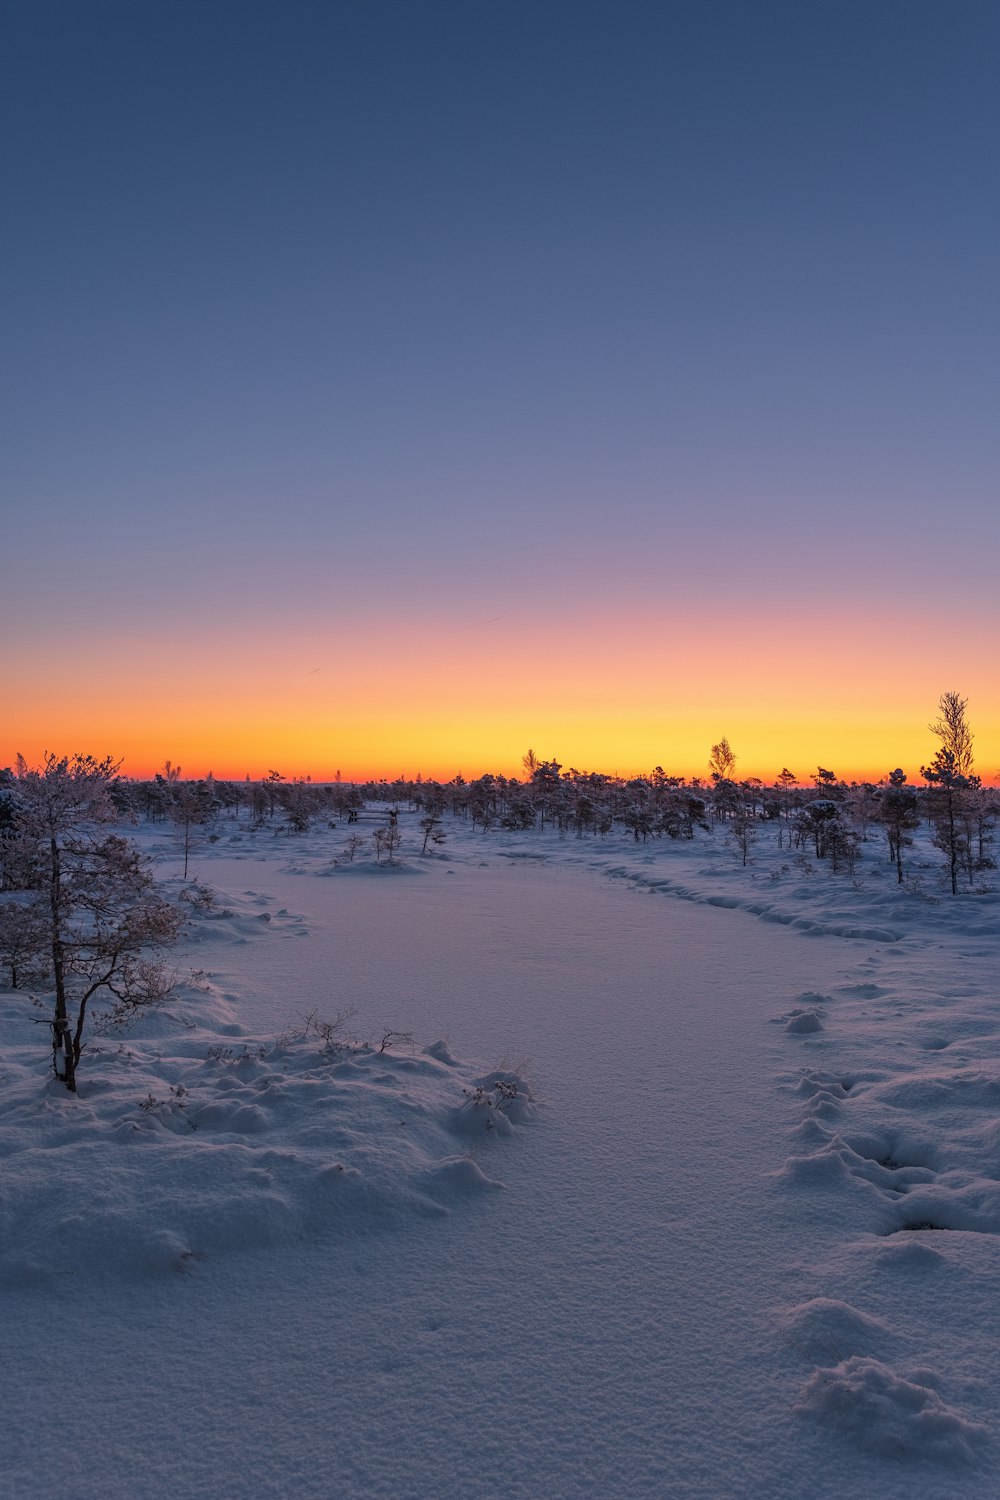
(730, 1230)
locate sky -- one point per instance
(390, 387)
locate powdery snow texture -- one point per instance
(733, 1260)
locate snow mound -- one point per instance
(890, 1415)
(803, 1022)
(442, 1052)
(457, 1174)
(214, 1143)
(826, 1329)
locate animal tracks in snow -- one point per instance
(898, 1166)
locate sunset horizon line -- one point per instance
(353, 776)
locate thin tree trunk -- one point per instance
(62, 1047)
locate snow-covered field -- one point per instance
(633, 1173)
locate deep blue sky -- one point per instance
(550, 301)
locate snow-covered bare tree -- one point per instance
(386, 841)
(952, 729)
(193, 807)
(430, 827)
(104, 920)
(22, 940)
(742, 829)
(722, 761)
(353, 845)
(984, 806)
(393, 839)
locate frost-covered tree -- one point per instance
(386, 841)
(547, 790)
(104, 920)
(639, 822)
(952, 729)
(742, 830)
(430, 827)
(955, 791)
(949, 806)
(22, 940)
(862, 805)
(899, 816)
(842, 846)
(983, 807)
(820, 821)
(722, 761)
(299, 803)
(354, 844)
(784, 781)
(682, 812)
(727, 798)
(192, 808)
(272, 782)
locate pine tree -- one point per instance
(948, 804)
(897, 812)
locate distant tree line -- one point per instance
(821, 816)
(81, 914)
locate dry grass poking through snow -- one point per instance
(204, 1141)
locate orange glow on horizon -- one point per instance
(407, 696)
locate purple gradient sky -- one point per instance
(434, 312)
